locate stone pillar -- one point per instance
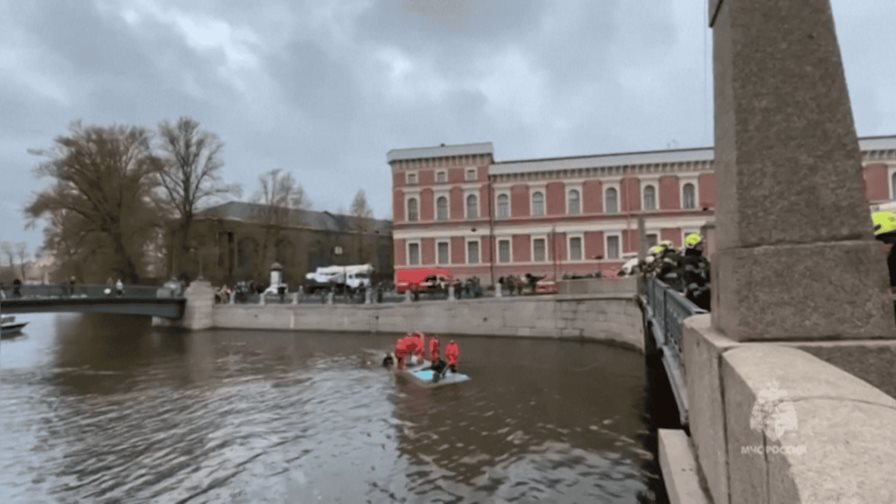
(261, 299)
(368, 298)
(499, 290)
(407, 296)
(295, 298)
(232, 299)
(451, 293)
(795, 258)
(642, 240)
(330, 297)
(200, 304)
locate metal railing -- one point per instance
(55, 291)
(665, 312)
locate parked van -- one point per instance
(421, 279)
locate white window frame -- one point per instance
(478, 243)
(656, 194)
(437, 243)
(604, 188)
(682, 181)
(407, 200)
(435, 206)
(468, 171)
(467, 194)
(409, 175)
(569, 238)
(654, 233)
(544, 201)
(891, 169)
(441, 172)
(607, 246)
(407, 252)
(547, 250)
(574, 187)
(509, 250)
(509, 205)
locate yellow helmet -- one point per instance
(884, 222)
(692, 240)
(666, 244)
(657, 249)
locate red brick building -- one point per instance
(454, 206)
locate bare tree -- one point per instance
(360, 208)
(8, 251)
(278, 196)
(190, 175)
(100, 200)
(22, 255)
(362, 221)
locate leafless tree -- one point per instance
(190, 175)
(8, 251)
(100, 200)
(362, 221)
(22, 256)
(360, 209)
(278, 196)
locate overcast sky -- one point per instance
(325, 88)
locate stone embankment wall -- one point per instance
(612, 318)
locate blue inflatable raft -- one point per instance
(423, 376)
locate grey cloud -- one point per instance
(324, 89)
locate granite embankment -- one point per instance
(611, 318)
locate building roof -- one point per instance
(472, 149)
(866, 144)
(600, 160)
(877, 143)
(309, 219)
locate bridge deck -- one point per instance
(135, 300)
(665, 310)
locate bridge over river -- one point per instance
(134, 300)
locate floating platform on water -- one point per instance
(422, 376)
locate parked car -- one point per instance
(421, 279)
(545, 286)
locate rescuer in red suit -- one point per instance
(421, 349)
(433, 349)
(407, 347)
(452, 354)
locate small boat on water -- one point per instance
(9, 326)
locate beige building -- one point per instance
(239, 241)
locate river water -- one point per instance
(108, 409)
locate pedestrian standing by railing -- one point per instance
(694, 272)
(884, 222)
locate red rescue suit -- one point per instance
(421, 349)
(433, 349)
(452, 354)
(404, 348)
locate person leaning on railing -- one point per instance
(884, 222)
(694, 272)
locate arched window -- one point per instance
(572, 201)
(611, 200)
(503, 206)
(413, 214)
(472, 206)
(442, 208)
(649, 197)
(537, 203)
(688, 196)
